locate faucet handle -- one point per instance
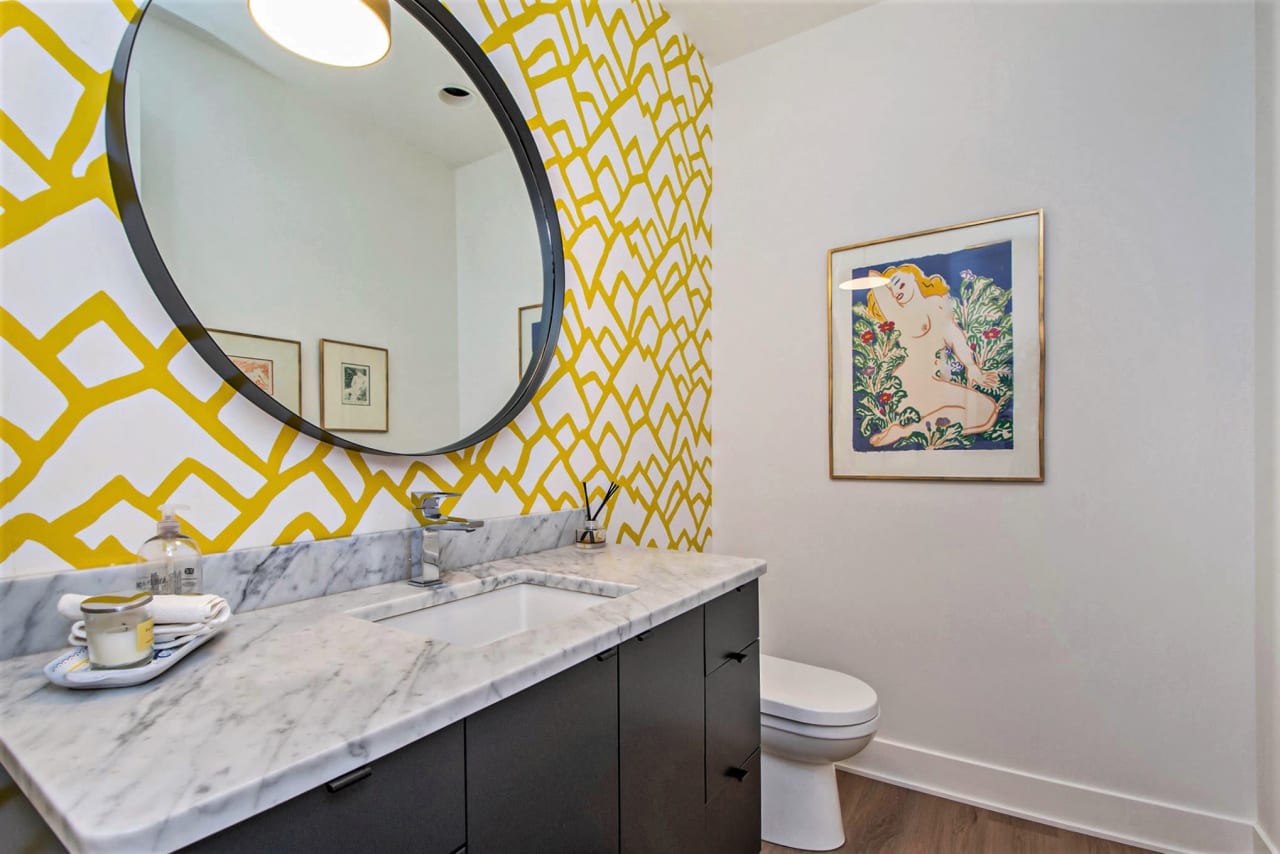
(429, 502)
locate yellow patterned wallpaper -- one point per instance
(107, 412)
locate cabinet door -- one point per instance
(410, 800)
(542, 766)
(733, 718)
(661, 721)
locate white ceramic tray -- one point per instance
(71, 669)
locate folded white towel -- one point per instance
(165, 608)
(167, 635)
(165, 631)
(78, 638)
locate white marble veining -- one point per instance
(292, 696)
(461, 587)
(29, 618)
(509, 536)
(250, 579)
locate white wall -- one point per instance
(1095, 630)
(1268, 361)
(231, 151)
(499, 270)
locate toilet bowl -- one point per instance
(810, 719)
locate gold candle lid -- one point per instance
(114, 603)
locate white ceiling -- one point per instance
(725, 29)
(399, 94)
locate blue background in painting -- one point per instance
(995, 261)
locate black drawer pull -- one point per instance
(736, 656)
(607, 654)
(738, 774)
(642, 636)
(349, 779)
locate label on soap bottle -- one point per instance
(186, 579)
(155, 582)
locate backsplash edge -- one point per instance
(265, 576)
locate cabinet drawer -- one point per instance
(732, 623)
(733, 818)
(733, 718)
(413, 799)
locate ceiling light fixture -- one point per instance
(346, 33)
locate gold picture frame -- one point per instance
(355, 388)
(883, 423)
(272, 364)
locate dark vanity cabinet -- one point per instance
(650, 747)
(409, 800)
(732, 663)
(542, 766)
(662, 738)
(732, 625)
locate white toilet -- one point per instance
(810, 718)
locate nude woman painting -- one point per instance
(933, 363)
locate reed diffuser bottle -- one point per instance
(592, 534)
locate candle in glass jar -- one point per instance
(119, 630)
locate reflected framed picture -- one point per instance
(530, 326)
(272, 364)
(936, 347)
(354, 392)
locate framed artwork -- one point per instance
(272, 364)
(530, 324)
(937, 353)
(354, 394)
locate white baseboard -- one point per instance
(1108, 815)
(1262, 844)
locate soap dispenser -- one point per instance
(171, 559)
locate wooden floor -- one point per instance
(888, 819)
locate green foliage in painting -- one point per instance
(877, 353)
(982, 311)
(937, 436)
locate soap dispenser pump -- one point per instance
(170, 560)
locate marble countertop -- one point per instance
(289, 697)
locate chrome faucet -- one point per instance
(424, 549)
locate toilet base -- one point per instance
(800, 804)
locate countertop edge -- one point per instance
(286, 783)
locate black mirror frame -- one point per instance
(450, 33)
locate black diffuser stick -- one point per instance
(613, 488)
(586, 499)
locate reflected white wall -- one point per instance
(365, 255)
(499, 269)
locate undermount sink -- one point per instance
(487, 617)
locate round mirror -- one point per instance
(370, 253)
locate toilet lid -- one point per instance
(814, 695)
